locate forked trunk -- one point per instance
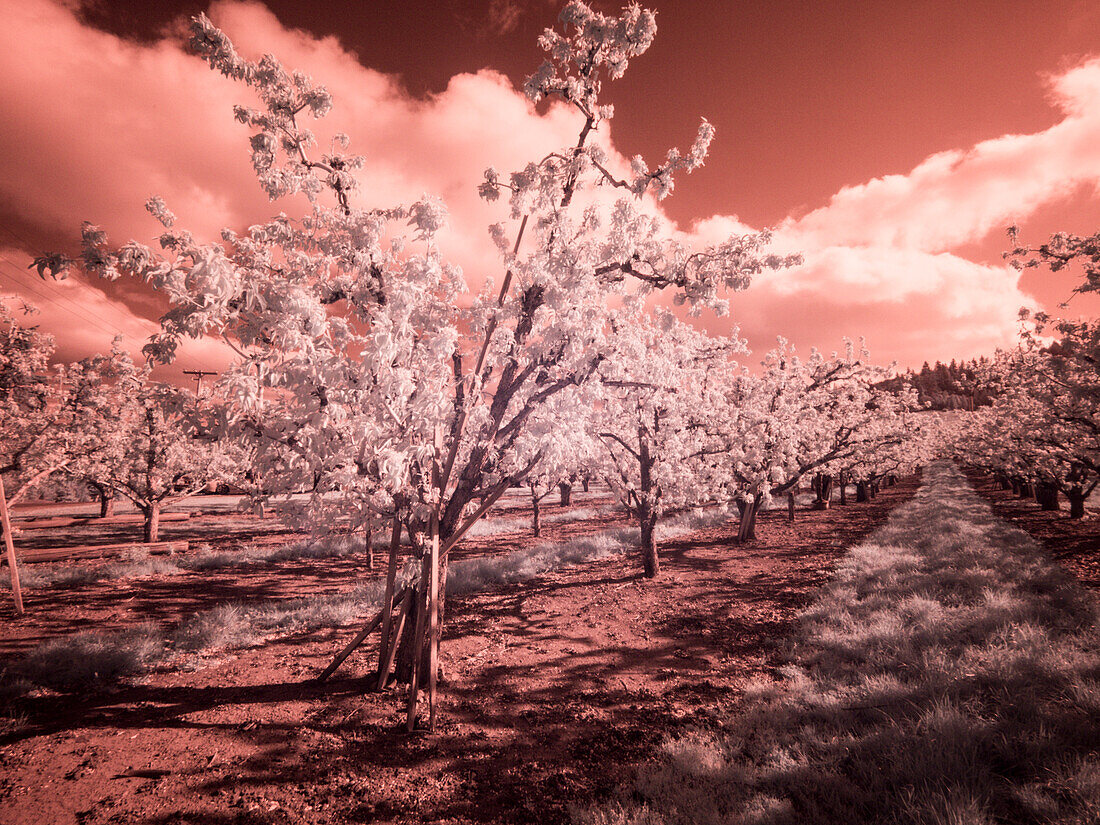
(106, 501)
(566, 491)
(823, 486)
(151, 531)
(746, 529)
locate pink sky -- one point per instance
(891, 149)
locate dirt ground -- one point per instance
(1074, 542)
(556, 689)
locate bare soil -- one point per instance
(1074, 542)
(556, 689)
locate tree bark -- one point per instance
(843, 483)
(106, 500)
(151, 531)
(536, 514)
(584, 484)
(403, 668)
(823, 486)
(1077, 498)
(651, 562)
(862, 492)
(565, 488)
(1047, 496)
(790, 506)
(746, 529)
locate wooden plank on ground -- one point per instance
(101, 551)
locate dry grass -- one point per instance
(950, 675)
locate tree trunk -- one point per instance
(843, 482)
(536, 514)
(862, 493)
(584, 484)
(1077, 498)
(874, 489)
(790, 506)
(1047, 496)
(368, 536)
(565, 488)
(823, 486)
(647, 508)
(152, 522)
(106, 500)
(746, 529)
(403, 668)
(651, 563)
(1027, 490)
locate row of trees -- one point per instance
(101, 424)
(1041, 435)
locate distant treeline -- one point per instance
(954, 386)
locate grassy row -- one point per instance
(950, 675)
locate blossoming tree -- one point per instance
(363, 369)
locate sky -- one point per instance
(891, 143)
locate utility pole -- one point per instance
(198, 374)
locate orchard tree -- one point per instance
(151, 446)
(1043, 431)
(362, 366)
(800, 417)
(33, 438)
(664, 396)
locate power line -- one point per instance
(75, 310)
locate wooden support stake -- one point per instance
(9, 546)
(433, 621)
(358, 640)
(390, 652)
(391, 578)
(418, 645)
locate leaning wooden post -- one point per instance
(389, 653)
(433, 621)
(418, 644)
(9, 546)
(391, 580)
(358, 640)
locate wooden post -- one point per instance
(389, 653)
(358, 640)
(368, 538)
(391, 578)
(418, 644)
(9, 546)
(433, 621)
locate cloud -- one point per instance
(957, 197)
(94, 125)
